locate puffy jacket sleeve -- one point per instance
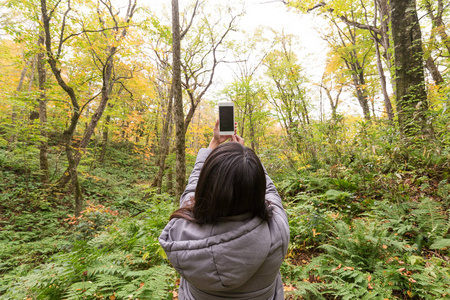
(279, 223)
(193, 179)
(271, 192)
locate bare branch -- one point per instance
(92, 31)
(130, 12)
(89, 101)
(125, 88)
(58, 54)
(316, 6)
(183, 33)
(111, 13)
(359, 25)
(54, 8)
(53, 62)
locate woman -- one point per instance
(231, 233)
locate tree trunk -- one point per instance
(33, 68)
(432, 68)
(178, 103)
(164, 150)
(357, 70)
(436, 28)
(68, 133)
(387, 101)
(68, 136)
(252, 129)
(23, 74)
(385, 19)
(105, 138)
(43, 147)
(170, 180)
(106, 91)
(412, 102)
(361, 95)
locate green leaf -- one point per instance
(336, 195)
(441, 244)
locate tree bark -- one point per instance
(432, 68)
(359, 82)
(164, 150)
(33, 68)
(385, 19)
(105, 138)
(382, 7)
(170, 180)
(180, 141)
(386, 99)
(412, 102)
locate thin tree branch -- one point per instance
(63, 26)
(89, 101)
(183, 33)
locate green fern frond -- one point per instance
(80, 290)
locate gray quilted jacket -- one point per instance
(237, 258)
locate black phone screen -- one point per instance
(226, 119)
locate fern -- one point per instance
(80, 290)
(307, 290)
(366, 261)
(441, 244)
(421, 223)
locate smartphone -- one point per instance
(226, 118)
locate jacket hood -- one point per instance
(217, 257)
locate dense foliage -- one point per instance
(367, 225)
(113, 250)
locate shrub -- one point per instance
(94, 218)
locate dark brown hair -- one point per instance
(232, 182)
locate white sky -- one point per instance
(273, 14)
(276, 15)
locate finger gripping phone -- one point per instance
(226, 118)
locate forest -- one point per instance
(104, 105)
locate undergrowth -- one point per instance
(110, 251)
(370, 220)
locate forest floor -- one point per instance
(353, 236)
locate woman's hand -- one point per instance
(236, 138)
(217, 138)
